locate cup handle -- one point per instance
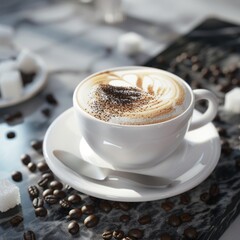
(210, 113)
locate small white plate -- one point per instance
(30, 89)
(190, 164)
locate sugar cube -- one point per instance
(26, 62)
(232, 100)
(9, 195)
(11, 85)
(130, 43)
(8, 66)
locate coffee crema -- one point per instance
(132, 97)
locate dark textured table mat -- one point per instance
(205, 58)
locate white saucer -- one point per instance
(192, 163)
(31, 89)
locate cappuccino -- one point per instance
(137, 96)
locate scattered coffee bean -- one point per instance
(118, 234)
(41, 212)
(33, 191)
(185, 199)
(205, 197)
(51, 99)
(165, 236)
(222, 131)
(73, 227)
(105, 206)
(51, 199)
(75, 213)
(36, 145)
(74, 198)
(136, 233)
(91, 221)
(17, 176)
(128, 238)
(29, 235)
(47, 192)
(13, 117)
(125, 218)
(38, 202)
(25, 159)
(145, 219)
(43, 182)
(16, 220)
(46, 112)
(65, 204)
(115, 205)
(32, 167)
(214, 190)
(190, 233)
(107, 235)
(56, 185)
(11, 135)
(174, 220)
(42, 166)
(49, 176)
(186, 217)
(125, 206)
(167, 205)
(59, 194)
(88, 209)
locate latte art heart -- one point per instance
(133, 97)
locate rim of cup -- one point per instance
(89, 116)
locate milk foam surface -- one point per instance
(133, 97)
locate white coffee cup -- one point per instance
(140, 146)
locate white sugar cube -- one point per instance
(11, 85)
(232, 100)
(8, 66)
(9, 195)
(130, 43)
(26, 62)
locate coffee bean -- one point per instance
(46, 112)
(107, 235)
(222, 131)
(25, 159)
(205, 197)
(11, 135)
(74, 198)
(16, 220)
(190, 233)
(125, 206)
(128, 238)
(125, 218)
(13, 117)
(73, 227)
(59, 193)
(145, 219)
(49, 176)
(165, 236)
(43, 182)
(87, 209)
(36, 145)
(33, 191)
(40, 212)
(37, 202)
(42, 166)
(27, 78)
(29, 235)
(65, 204)
(51, 199)
(105, 206)
(17, 176)
(185, 199)
(56, 185)
(174, 220)
(167, 205)
(75, 213)
(32, 167)
(118, 234)
(47, 192)
(51, 99)
(91, 221)
(186, 217)
(136, 233)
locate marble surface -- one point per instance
(74, 43)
